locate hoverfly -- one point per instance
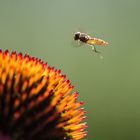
(85, 38)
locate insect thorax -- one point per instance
(84, 38)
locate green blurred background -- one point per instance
(110, 87)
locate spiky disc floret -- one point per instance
(35, 101)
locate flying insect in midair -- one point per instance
(85, 38)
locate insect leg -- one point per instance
(94, 49)
(99, 53)
(76, 43)
(79, 42)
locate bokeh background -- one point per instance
(110, 87)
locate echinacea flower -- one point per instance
(36, 102)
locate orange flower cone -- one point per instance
(36, 102)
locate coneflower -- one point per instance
(36, 102)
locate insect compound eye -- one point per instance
(76, 36)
